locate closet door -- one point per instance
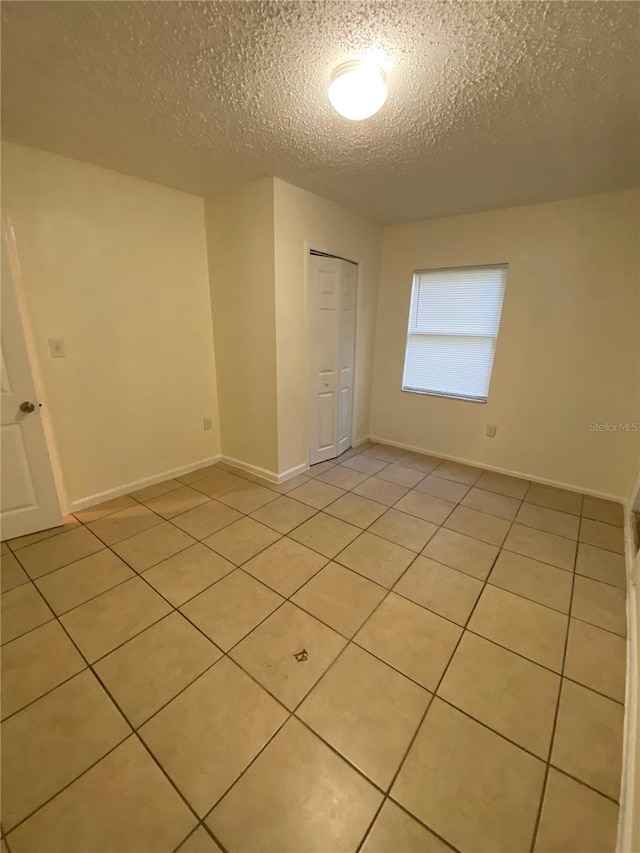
(332, 298)
(346, 353)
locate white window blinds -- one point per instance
(453, 327)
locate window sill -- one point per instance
(445, 396)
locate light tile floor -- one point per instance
(390, 654)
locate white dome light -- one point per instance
(358, 89)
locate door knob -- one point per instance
(27, 407)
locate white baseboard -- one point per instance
(358, 441)
(293, 472)
(263, 473)
(534, 479)
(271, 476)
(304, 466)
(126, 488)
(91, 500)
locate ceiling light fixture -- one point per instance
(358, 89)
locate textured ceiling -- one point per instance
(491, 104)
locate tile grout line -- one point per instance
(440, 526)
(560, 675)
(249, 515)
(202, 825)
(200, 541)
(434, 695)
(227, 654)
(291, 713)
(139, 574)
(349, 639)
(558, 700)
(312, 688)
(244, 475)
(421, 721)
(133, 729)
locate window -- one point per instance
(453, 327)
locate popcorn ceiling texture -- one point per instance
(491, 104)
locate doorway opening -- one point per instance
(332, 295)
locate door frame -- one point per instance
(629, 818)
(316, 246)
(10, 246)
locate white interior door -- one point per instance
(28, 496)
(332, 301)
(346, 353)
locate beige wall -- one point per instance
(117, 267)
(304, 221)
(567, 352)
(241, 269)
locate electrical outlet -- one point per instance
(56, 348)
(491, 430)
(207, 424)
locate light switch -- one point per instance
(56, 347)
(491, 430)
